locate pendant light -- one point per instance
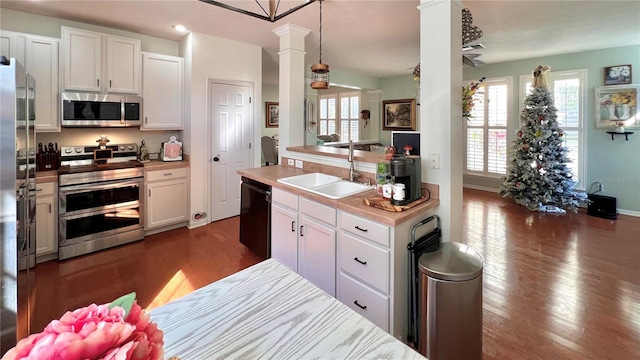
(320, 71)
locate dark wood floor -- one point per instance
(555, 286)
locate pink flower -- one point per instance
(94, 332)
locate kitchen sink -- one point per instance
(325, 185)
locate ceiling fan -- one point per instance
(470, 33)
(470, 59)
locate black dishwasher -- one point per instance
(255, 217)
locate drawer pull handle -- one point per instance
(168, 174)
(361, 229)
(360, 306)
(301, 232)
(360, 261)
(293, 226)
(38, 189)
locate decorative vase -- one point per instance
(612, 112)
(620, 129)
(623, 111)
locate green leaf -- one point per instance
(125, 302)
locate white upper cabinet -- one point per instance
(94, 61)
(42, 63)
(162, 87)
(39, 56)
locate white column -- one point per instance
(441, 107)
(291, 89)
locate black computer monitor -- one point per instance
(401, 138)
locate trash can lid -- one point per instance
(453, 261)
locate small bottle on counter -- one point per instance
(144, 153)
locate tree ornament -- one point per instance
(538, 133)
(519, 133)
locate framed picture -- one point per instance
(273, 114)
(619, 74)
(617, 105)
(399, 114)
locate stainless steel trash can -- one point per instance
(451, 303)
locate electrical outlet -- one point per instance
(290, 162)
(600, 187)
(299, 164)
(154, 156)
(434, 161)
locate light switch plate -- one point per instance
(299, 164)
(290, 162)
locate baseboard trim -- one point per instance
(629, 213)
(481, 188)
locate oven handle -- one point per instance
(99, 186)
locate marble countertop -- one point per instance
(354, 204)
(269, 311)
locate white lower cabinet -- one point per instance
(284, 235)
(361, 262)
(365, 301)
(303, 237)
(46, 219)
(373, 269)
(166, 198)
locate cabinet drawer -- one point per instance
(285, 198)
(375, 270)
(47, 188)
(318, 211)
(363, 300)
(168, 174)
(365, 228)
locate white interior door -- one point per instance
(230, 117)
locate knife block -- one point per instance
(47, 161)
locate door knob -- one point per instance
(215, 158)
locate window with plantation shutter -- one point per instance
(343, 119)
(327, 118)
(486, 129)
(568, 98)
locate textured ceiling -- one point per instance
(378, 38)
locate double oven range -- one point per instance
(100, 205)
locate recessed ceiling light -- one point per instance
(180, 28)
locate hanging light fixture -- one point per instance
(268, 13)
(320, 71)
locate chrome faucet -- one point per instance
(352, 173)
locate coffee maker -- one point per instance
(406, 170)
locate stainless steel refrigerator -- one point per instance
(17, 201)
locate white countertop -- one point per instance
(269, 311)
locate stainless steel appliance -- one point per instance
(17, 199)
(255, 221)
(100, 205)
(100, 110)
(406, 170)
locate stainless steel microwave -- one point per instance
(100, 110)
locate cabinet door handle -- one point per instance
(49, 208)
(301, 227)
(145, 120)
(361, 229)
(360, 306)
(360, 261)
(149, 192)
(98, 82)
(109, 83)
(293, 226)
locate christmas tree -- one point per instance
(538, 177)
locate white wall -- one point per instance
(217, 59)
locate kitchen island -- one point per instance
(269, 311)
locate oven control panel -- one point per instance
(88, 150)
